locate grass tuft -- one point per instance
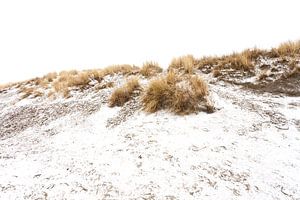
(237, 61)
(185, 63)
(287, 49)
(150, 69)
(123, 94)
(181, 96)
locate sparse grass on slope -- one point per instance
(178, 90)
(68, 79)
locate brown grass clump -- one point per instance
(159, 95)
(186, 63)
(187, 98)
(123, 94)
(183, 102)
(50, 76)
(45, 80)
(122, 69)
(216, 72)
(26, 92)
(254, 53)
(287, 49)
(68, 79)
(172, 77)
(199, 86)
(237, 61)
(207, 61)
(150, 69)
(181, 96)
(81, 79)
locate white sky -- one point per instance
(37, 37)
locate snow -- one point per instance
(235, 153)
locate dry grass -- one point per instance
(287, 49)
(150, 69)
(50, 76)
(7, 85)
(26, 92)
(181, 96)
(172, 77)
(216, 72)
(119, 69)
(169, 86)
(105, 85)
(183, 102)
(51, 94)
(254, 53)
(159, 95)
(65, 80)
(46, 80)
(123, 94)
(62, 88)
(237, 61)
(207, 61)
(199, 86)
(187, 98)
(186, 63)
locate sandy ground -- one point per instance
(81, 149)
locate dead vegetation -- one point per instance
(5, 86)
(243, 61)
(181, 95)
(124, 93)
(105, 86)
(237, 61)
(30, 92)
(175, 90)
(185, 63)
(286, 49)
(81, 80)
(150, 69)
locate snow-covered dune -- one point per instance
(79, 148)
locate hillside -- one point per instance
(209, 128)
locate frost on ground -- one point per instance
(81, 149)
